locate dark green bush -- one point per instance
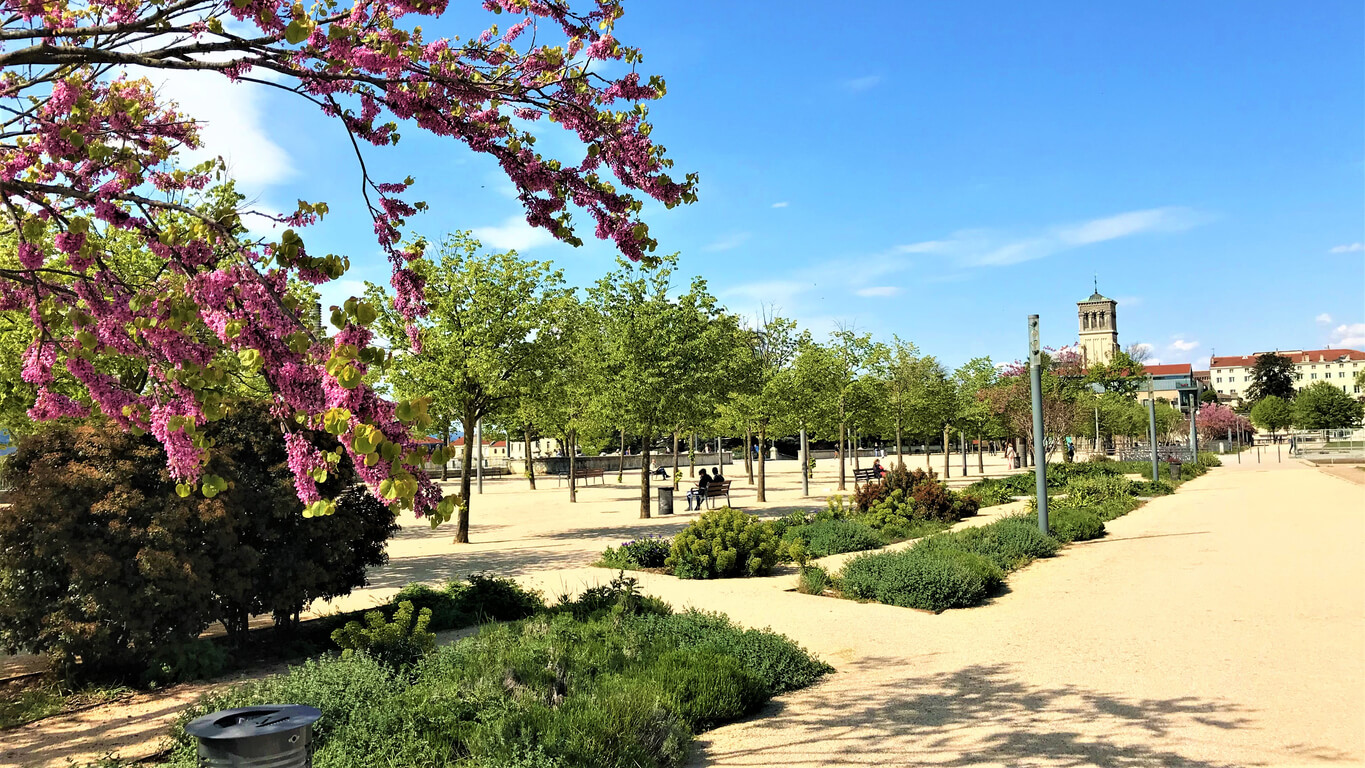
(832, 537)
(197, 659)
(991, 491)
(398, 642)
(1068, 524)
(1114, 508)
(724, 543)
(1150, 488)
(549, 692)
(1082, 491)
(619, 597)
(646, 552)
(929, 579)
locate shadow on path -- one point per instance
(979, 714)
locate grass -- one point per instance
(626, 686)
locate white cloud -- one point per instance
(514, 234)
(1183, 346)
(1348, 248)
(1127, 224)
(231, 126)
(987, 248)
(878, 291)
(1349, 335)
(1129, 301)
(862, 83)
(782, 204)
(729, 242)
(1324, 318)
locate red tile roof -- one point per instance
(1296, 355)
(1172, 369)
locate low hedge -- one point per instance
(724, 543)
(1068, 524)
(831, 537)
(551, 692)
(932, 580)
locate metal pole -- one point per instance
(1194, 429)
(1239, 443)
(1097, 429)
(1039, 451)
(805, 465)
(962, 439)
(1151, 435)
(478, 452)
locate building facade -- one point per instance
(1231, 375)
(1097, 317)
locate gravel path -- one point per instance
(1224, 625)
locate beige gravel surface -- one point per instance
(1224, 625)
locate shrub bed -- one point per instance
(1068, 524)
(831, 537)
(724, 543)
(618, 690)
(646, 552)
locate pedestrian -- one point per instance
(697, 494)
(1011, 458)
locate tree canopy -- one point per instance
(1324, 406)
(1273, 374)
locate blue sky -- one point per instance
(940, 171)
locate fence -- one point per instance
(1143, 452)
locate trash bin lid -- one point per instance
(251, 722)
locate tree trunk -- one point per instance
(569, 451)
(853, 441)
(644, 476)
(445, 468)
(692, 455)
(676, 478)
(621, 461)
(900, 459)
(980, 461)
(466, 466)
(946, 452)
(749, 453)
(530, 465)
(762, 461)
(843, 440)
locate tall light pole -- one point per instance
(478, 452)
(805, 464)
(1151, 427)
(1194, 430)
(1035, 366)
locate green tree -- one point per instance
(1324, 406)
(895, 369)
(974, 413)
(933, 401)
(664, 356)
(1272, 413)
(1273, 374)
(766, 401)
(490, 327)
(1122, 375)
(852, 352)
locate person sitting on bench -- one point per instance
(698, 494)
(877, 469)
(660, 471)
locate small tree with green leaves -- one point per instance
(1273, 374)
(1324, 406)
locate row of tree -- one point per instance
(637, 358)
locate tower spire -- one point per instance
(1097, 282)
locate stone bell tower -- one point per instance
(1099, 328)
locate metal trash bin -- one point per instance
(1175, 470)
(273, 735)
(665, 501)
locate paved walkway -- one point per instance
(1224, 625)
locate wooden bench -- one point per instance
(584, 474)
(868, 475)
(717, 490)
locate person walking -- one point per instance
(1011, 459)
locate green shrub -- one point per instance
(1208, 460)
(1151, 488)
(898, 529)
(197, 659)
(619, 597)
(1082, 491)
(724, 543)
(398, 642)
(1009, 543)
(646, 552)
(548, 692)
(495, 598)
(1114, 508)
(813, 580)
(929, 579)
(991, 491)
(831, 537)
(1068, 524)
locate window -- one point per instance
(1357, 389)
(1341, 374)
(1220, 381)
(1312, 375)
(1232, 391)
(1220, 391)
(1246, 378)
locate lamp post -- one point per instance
(805, 464)
(1035, 364)
(1151, 428)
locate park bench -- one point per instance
(868, 475)
(584, 474)
(717, 490)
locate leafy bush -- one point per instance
(1010, 543)
(990, 491)
(103, 562)
(620, 597)
(647, 552)
(197, 659)
(812, 581)
(1082, 491)
(724, 543)
(1068, 524)
(1151, 488)
(397, 643)
(929, 579)
(1114, 508)
(832, 537)
(462, 603)
(548, 692)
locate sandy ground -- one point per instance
(1198, 632)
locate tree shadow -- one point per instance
(458, 564)
(982, 714)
